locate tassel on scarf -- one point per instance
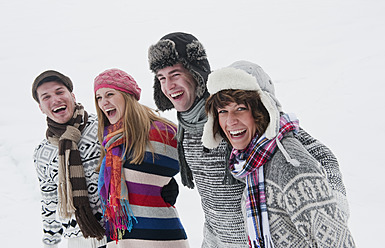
(185, 171)
(112, 185)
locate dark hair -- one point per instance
(250, 99)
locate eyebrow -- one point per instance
(58, 88)
(170, 72)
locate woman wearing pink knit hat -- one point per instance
(138, 159)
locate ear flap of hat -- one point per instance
(161, 101)
(270, 105)
(210, 140)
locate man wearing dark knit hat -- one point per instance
(65, 163)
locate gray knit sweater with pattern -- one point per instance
(303, 210)
(224, 224)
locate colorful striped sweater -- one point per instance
(158, 223)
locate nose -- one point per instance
(102, 102)
(55, 99)
(169, 84)
(231, 119)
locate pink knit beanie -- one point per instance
(118, 80)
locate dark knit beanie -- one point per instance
(53, 76)
(177, 48)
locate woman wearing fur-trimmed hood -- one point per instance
(290, 202)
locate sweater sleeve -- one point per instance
(308, 200)
(46, 173)
(329, 163)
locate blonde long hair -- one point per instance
(137, 122)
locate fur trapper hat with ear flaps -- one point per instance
(248, 77)
(176, 48)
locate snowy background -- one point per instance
(326, 58)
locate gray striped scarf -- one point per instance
(192, 120)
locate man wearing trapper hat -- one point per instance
(181, 69)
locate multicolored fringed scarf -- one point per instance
(249, 163)
(112, 185)
(72, 188)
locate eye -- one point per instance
(161, 79)
(98, 98)
(241, 108)
(222, 111)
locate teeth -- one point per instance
(109, 109)
(58, 108)
(237, 132)
(176, 94)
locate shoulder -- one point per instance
(295, 149)
(42, 147)
(279, 170)
(92, 121)
(162, 132)
(91, 130)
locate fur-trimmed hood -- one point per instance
(177, 48)
(245, 76)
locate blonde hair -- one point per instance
(137, 122)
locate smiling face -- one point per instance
(238, 124)
(112, 103)
(56, 101)
(178, 85)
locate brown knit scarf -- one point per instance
(72, 188)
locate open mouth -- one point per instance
(237, 133)
(110, 112)
(176, 95)
(59, 109)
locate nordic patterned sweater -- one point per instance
(158, 223)
(46, 164)
(303, 210)
(222, 204)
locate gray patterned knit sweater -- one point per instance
(303, 210)
(46, 163)
(222, 204)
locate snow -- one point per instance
(325, 57)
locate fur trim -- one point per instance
(162, 54)
(210, 140)
(232, 78)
